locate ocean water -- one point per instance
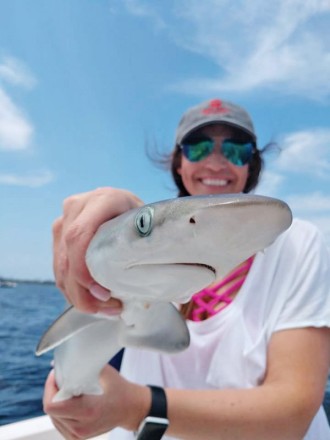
(26, 311)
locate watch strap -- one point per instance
(158, 402)
(154, 425)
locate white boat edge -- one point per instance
(37, 428)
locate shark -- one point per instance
(153, 259)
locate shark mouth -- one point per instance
(206, 266)
(155, 281)
(167, 264)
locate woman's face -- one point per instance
(214, 174)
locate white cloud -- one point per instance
(15, 72)
(16, 130)
(269, 183)
(306, 152)
(282, 45)
(32, 180)
(264, 45)
(313, 203)
(145, 10)
(314, 207)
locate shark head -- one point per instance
(149, 257)
(169, 250)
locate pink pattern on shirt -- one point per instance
(207, 299)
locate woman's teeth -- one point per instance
(215, 182)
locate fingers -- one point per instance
(121, 404)
(62, 429)
(64, 415)
(72, 233)
(72, 284)
(60, 263)
(50, 388)
(50, 407)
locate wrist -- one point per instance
(138, 406)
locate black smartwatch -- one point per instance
(155, 424)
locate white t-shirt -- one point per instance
(288, 286)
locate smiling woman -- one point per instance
(230, 123)
(263, 312)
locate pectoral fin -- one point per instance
(66, 325)
(160, 326)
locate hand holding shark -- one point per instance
(150, 257)
(82, 215)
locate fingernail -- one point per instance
(111, 311)
(100, 292)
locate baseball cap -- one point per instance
(211, 112)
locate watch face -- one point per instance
(152, 428)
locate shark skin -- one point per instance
(84, 343)
(149, 258)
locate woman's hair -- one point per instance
(172, 162)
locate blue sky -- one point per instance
(86, 84)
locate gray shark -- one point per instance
(152, 258)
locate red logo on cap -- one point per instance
(215, 106)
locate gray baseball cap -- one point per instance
(211, 112)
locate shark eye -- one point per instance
(143, 221)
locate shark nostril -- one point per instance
(192, 220)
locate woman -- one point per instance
(259, 355)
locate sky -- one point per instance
(86, 85)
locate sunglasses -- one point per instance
(237, 153)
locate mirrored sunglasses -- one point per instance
(237, 153)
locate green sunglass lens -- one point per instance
(237, 153)
(197, 151)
